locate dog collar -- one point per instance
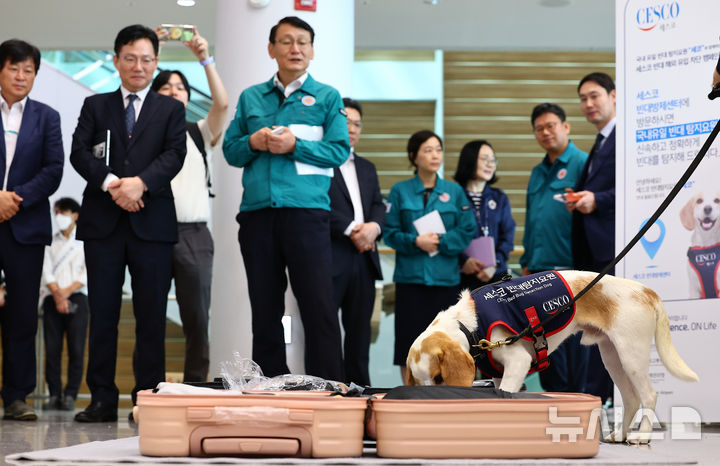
(474, 341)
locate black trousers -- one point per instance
(22, 265)
(271, 241)
(192, 270)
(149, 263)
(74, 328)
(355, 296)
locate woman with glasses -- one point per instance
(476, 173)
(426, 269)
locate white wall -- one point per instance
(61, 92)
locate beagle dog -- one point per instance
(622, 316)
(701, 215)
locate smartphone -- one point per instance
(566, 197)
(179, 32)
(278, 130)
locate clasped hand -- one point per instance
(428, 242)
(264, 140)
(9, 205)
(127, 193)
(363, 236)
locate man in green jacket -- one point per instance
(288, 134)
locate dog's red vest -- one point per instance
(506, 303)
(705, 262)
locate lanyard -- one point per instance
(484, 225)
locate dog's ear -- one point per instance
(687, 214)
(456, 365)
(409, 378)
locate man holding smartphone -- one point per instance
(288, 135)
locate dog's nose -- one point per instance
(707, 210)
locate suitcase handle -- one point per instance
(252, 414)
(247, 439)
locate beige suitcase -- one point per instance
(560, 425)
(302, 424)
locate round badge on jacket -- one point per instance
(444, 197)
(562, 173)
(308, 100)
(492, 204)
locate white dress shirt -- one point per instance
(189, 187)
(292, 87)
(11, 120)
(64, 262)
(349, 173)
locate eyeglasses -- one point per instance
(131, 60)
(489, 161)
(288, 42)
(356, 123)
(549, 127)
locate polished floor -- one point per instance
(56, 429)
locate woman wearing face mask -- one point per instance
(491, 208)
(426, 267)
(193, 253)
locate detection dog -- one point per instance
(622, 316)
(700, 215)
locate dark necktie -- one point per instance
(596, 147)
(130, 114)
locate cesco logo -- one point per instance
(552, 305)
(648, 17)
(702, 259)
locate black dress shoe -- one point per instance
(98, 411)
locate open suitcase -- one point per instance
(289, 423)
(547, 425)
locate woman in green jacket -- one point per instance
(427, 274)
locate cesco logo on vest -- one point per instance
(552, 305)
(703, 259)
(648, 17)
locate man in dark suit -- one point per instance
(593, 228)
(31, 164)
(357, 216)
(127, 216)
(594, 213)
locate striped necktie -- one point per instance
(130, 114)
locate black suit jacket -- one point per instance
(597, 229)
(342, 213)
(155, 153)
(35, 172)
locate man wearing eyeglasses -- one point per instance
(548, 231)
(357, 216)
(548, 224)
(288, 134)
(128, 145)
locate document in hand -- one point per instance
(430, 223)
(309, 133)
(483, 249)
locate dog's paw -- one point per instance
(617, 436)
(639, 438)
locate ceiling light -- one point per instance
(431, 2)
(186, 2)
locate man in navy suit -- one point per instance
(594, 213)
(357, 216)
(31, 164)
(127, 216)
(593, 228)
